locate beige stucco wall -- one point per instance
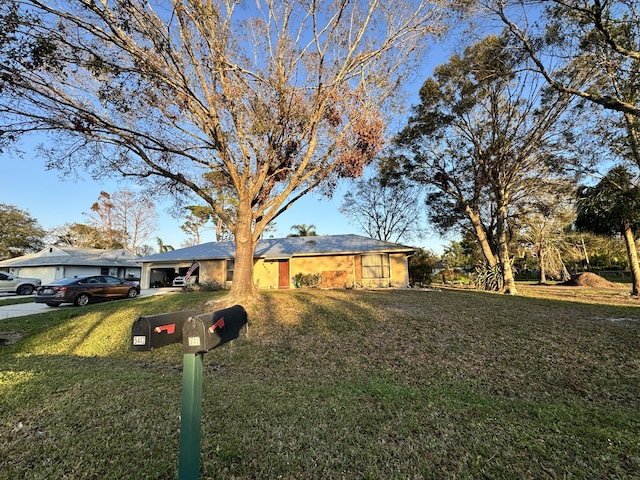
(338, 271)
(212, 271)
(399, 270)
(265, 274)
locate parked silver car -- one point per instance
(181, 282)
(18, 285)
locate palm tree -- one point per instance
(162, 247)
(303, 231)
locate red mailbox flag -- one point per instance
(170, 329)
(218, 324)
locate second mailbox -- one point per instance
(205, 332)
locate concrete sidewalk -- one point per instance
(22, 309)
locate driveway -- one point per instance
(22, 309)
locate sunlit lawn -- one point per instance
(333, 384)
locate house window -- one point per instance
(375, 265)
(230, 270)
(104, 271)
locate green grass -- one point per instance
(14, 300)
(333, 384)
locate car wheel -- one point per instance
(133, 293)
(81, 300)
(53, 304)
(25, 290)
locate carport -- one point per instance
(162, 276)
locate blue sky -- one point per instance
(54, 201)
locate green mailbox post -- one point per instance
(198, 334)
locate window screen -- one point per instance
(375, 265)
(229, 270)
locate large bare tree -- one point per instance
(268, 99)
(124, 219)
(387, 212)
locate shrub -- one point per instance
(488, 278)
(212, 286)
(308, 280)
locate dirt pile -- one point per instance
(588, 279)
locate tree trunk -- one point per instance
(507, 271)
(630, 241)
(242, 287)
(503, 248)
(543, 268)
(586, 255)
(219, 226)
(481, 236)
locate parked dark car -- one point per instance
(83, 290)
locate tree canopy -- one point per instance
(590, 49)
(195, 222)
(20, 233)
(125, 219)
(303, 230)
(614, 201)
(81, 236)
(484, 139)
(263, 101)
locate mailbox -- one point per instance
(155, 331)
(204, 332)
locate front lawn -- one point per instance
(330, 385)
(14, 300)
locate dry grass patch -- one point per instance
(616, 294)
(336, 384)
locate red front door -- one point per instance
(283, 274)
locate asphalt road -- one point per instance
(21, 309)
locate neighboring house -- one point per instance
(53, 263)
(439, 266)
(341, 260)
